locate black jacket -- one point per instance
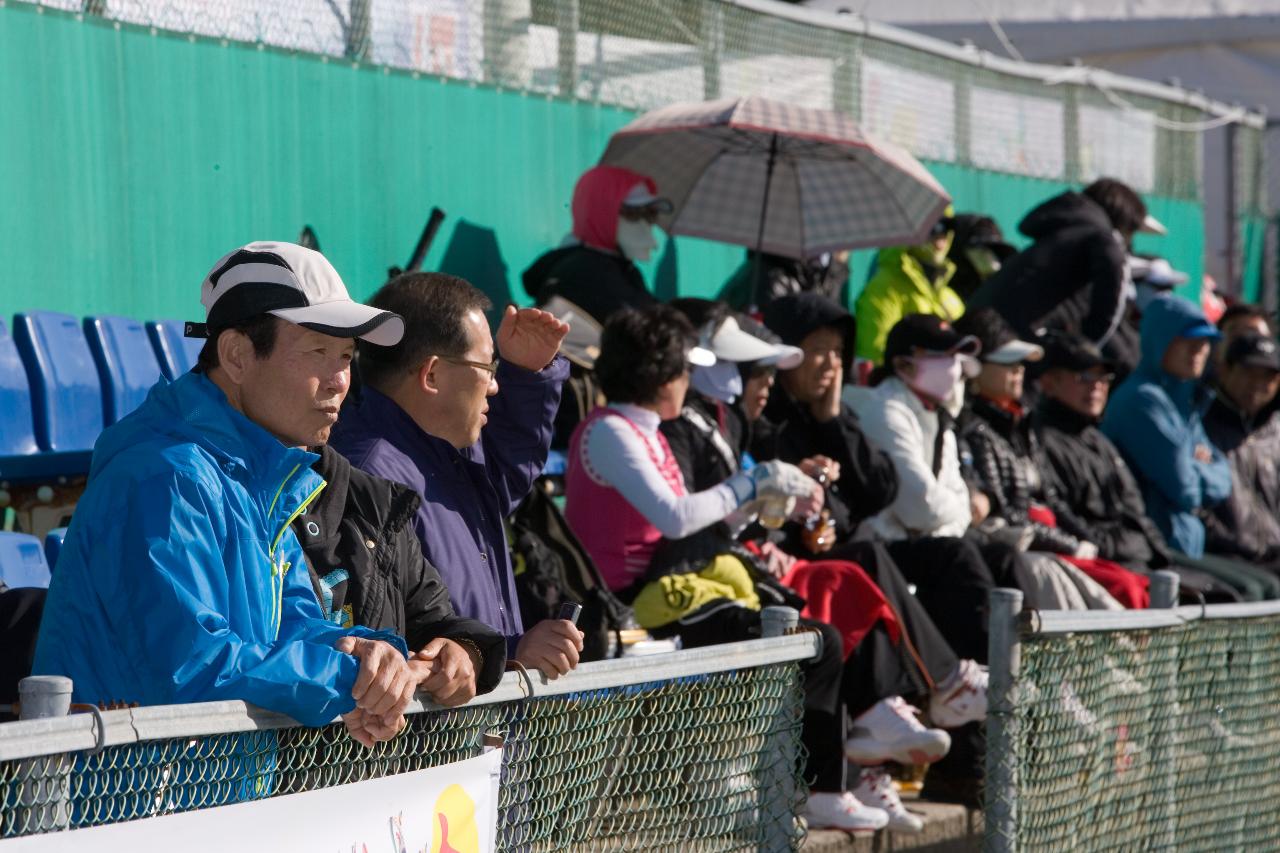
(707, 440)
(367, 565)
(1005, 455)
(1095, 496)
(1246, 524)
(868, 482)
(1072, 277)
(781, 276)
(597, 282)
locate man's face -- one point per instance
(823, 351)
(755, 391)
(1250, 388)
(1186, 357)
(1001, 382)
(464, 390)
(1236, 327)
(1082, 391)
(295, 392)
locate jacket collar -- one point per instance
(1055, 414)
(403, 430)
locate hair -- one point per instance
(701, 312)
(260, 329)
(434, 306)
(1241, 310)
(640, 351)
(1124, 207)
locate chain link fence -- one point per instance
(943, 103)
(706, 761)
(1159, 735)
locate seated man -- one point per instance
(367, 568)
(181, 579)
(469, 433)
(1155, 420)
(1095, 496)
(1243, 424)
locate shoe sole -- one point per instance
(901, 756)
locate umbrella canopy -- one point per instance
(788, 180)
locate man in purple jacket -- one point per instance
(469, 432)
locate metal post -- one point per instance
(506, 42)
(712, 49)
(1004, 661)
(359, 25)
(1164, 589)
(567, 35)
(1164, 594)
(1232, 268)
(44, 798)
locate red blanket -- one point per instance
(1129, 588)
(840, 593)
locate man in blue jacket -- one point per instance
(1154, 417)
(468, 429)
(181, 580)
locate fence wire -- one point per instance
(1148, 740)
(708, 763)
(642, 54)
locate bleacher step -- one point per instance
(947, 829)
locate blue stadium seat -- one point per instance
(176, 352)
(17, 429)
(557, 464)
(22, 561)
(127, 365)
(53, 546)
(66, 393)
(21, 459)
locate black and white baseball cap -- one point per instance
(295, 284)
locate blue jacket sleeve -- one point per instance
(1215, 476)
(1154, 436)
(200, 627)
(521, 424)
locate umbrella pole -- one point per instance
(764, 212)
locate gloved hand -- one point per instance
(782, 478)
(1086, 551)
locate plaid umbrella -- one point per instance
(792, 181)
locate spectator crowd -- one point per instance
(1054, 419)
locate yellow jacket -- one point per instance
(900, 287)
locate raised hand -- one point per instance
(529, 338)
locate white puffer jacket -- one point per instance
(897, 423)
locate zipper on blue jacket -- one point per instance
(280, 568)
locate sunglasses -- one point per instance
(1087, 377)
(942, 228)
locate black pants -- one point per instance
(20, 611)
(876, 669)
(953, 577)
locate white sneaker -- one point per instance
(875, 788)
(889, 731)
(843, 811)
(962, 698)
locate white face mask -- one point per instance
(635, 239)
(936, 376)
(721, 381)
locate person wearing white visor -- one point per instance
(1153, 277)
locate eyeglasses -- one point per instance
(942, 228)
(489, 367)
(648, 214)
(1088, 378)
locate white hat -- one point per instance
(295, 284)
(730, 343)
(641, 197)
(1156, 272)
(1151, 225)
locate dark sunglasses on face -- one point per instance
(942, 228)
(1089, 377)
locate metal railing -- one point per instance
(1148, 729)
(694, 749)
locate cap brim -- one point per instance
(1205, 330)
(1259, 361)
(1151, 225)
(700, 357)
(731, 343)
(1015, 352)
(347, 320)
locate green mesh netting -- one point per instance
(700, 763)
(1149, 740)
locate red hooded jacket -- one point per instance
(596, 199)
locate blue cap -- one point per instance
(1201, 329)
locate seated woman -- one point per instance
(627, 502)
(1004, 462)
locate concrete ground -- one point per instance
(947, 829)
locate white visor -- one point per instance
(1151, 225)
(731, 343)
(1015, 352)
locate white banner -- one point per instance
(449, 809)
(1022, 134)
(915, 110)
